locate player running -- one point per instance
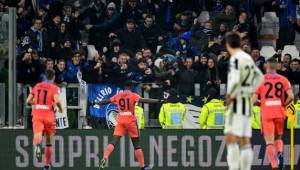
(272, 99)
(44, 97)
(243, 79)
(126, 122)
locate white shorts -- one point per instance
(238, 125)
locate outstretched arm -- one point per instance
(102, 102)
(143, 100)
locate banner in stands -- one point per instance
(98, 92)
(61, 120)
(193, 106)
(163, 149)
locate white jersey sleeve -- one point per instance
(258, 78)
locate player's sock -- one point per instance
(108, 150)
(140, 157)
(36, 141)
(279, 145)
(233, 155)
(272, 155)
(246, 157)
(48, 153)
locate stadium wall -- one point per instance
(163, 149)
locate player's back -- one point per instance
(272, 94)
(126, 101)
(246, 66)
(243, 79)
(44, 93)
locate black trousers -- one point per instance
(286, 37)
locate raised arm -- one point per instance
(103, 102)
(290, 97)
(143, 100)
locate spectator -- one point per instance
(182, 47)
(131, 38)
(142, 73)
(222, 66)
(213, 77)
(294, 74)
(202, 76)
(23, 25)
(183, 23)
(287, 59)
(120, 69)
(114, 51)
(72, 68)
(54, 30)
(258, 59)
(147, 53)
(287, 9)
(66, 51)
(96, 14)
(165, 15)
(111, 22)
(201, 35)
(186, 78)
(151, 33)
(96, 71)
(163, 75)
(242, 26)
(28, 70)
(132, 10)
(38, 37)
(48, 66)
(225, 17)
(221, 33)
(60, 73)
(214, 47)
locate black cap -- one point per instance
(212, 92)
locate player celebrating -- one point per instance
(272, 95)
(44, 96)
(126, 122)
(243, 79)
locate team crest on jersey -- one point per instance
(111, 115)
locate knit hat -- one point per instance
(111, 6)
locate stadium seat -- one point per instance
(267, 51)
(269, 29)
(204, 16)
(292, 50)
(270, 17)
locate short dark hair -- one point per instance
(49, 60)
(233, 40)
(296, 60)
(272, 60)
(148, 16)
(130, 21)
(61, 60)
(49, 74)
(289, 55)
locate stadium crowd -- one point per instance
(162, 41)
(168, 42)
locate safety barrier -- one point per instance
(163, 149)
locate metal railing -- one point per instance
(80, 105)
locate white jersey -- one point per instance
(244, 78)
